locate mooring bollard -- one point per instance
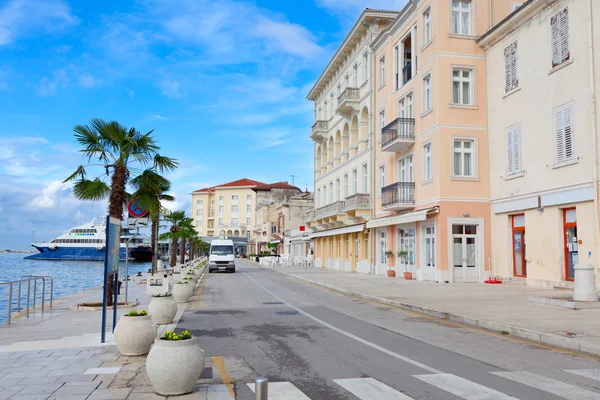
(262, 388)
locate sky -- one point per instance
(223, 84)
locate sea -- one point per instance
(69, 276)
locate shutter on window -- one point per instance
(564, 35)
(513, 66)
(559, 133)
(568, 132)
(554, 26)
(510, 164)
(516, 138)
(507, 69)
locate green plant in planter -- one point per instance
(174, 336)
(182, 282)
(402, 254)
(167, 294)
(389, 253)
(136, 313)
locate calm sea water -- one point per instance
(69, 276)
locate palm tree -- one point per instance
(177, 219)
(151, 188)
(187, 232)
(117, 149)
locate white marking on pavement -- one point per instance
(102, 370)
(283, 391)
(586, 373)
(350, 335)
(548, 385)
(463, 388)
(370, 389)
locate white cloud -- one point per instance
(88, 81)
(352, 8)
(170, 88)
(48, 198)
(21, 17)
(49, 85)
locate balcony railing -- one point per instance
(310, 215)
(358, 201)
(407, 73)
(397, 196)
(398, 135)
(319, 129)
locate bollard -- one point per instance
(262, 388)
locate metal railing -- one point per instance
(400, 128)
(30, 299)
(398, 193)
(407, 73)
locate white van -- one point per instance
(221, 256)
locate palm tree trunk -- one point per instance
(173, 252)
(115, 210)
(182, 255)
(153, 236)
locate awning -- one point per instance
(275, 241)
(299, 238)
(338, 231)
(414, 216)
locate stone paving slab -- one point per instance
(493, 307)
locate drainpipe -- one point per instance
(594, 122)
(372, 143)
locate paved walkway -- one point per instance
(494, 307)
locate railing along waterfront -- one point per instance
(400, 128)
(28, 279)
(398, 193)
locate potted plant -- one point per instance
(402, 254)
(175, 363)
(192, 275)
(162, 308)
(390, 272)
(182, 291)
(134, 333)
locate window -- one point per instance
(427, 162)
(396, 67)
(337, 190)
(365, 176)
(199, 211)
(221, 199)
(345, 185)
(330, 192)
(220, 210)
(381, 123)
(365, 66)
(248, 222)
(355, 75)
(318, 199)
(559, 25)
(234, 208)
(563, 133)
(234, 197)
(511, 79)
(249, 198)
(427, 99)
(220, 221)
(347, 80)
(324, 194)
(339, 91)
(513, 150)
(354, 181)
(325, 113)
(462, 87)
(199, 203)
(427, 26)
(463, 157)
(406, 169)
(331, 105)
(461, 17)
(382, 71)
(212, 202)
(234, 221)
(381, 178)
(248, 208)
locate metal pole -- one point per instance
(10, 291)
(34, 293)
(262, 388)
(126, 269)
(43, 293)
(116, 290)
(51, 290)
(19, 298)
(28, 294)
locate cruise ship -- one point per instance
(87, 243)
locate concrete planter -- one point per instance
(162, 310)
(198, 272)
(193, 276)
(182, 292)
(174, 366)
(134, 335)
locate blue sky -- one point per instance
(222, 83)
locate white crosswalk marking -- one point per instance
(370, 389)
(463, 388)
(587, 373)
(283, 391)
(548, 385)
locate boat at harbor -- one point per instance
(87, 243)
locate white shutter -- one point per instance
(507, 69)
(559, 134)
(564, 35)
(510, 164)
(568, 132)
(554, 26)
(516, 138)
(513, 65)
(510, 67)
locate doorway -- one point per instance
(464, 253)
(356, 250)
(429, 253)
(518, 240)
(406, 244)
(571, 243)
(382, 249)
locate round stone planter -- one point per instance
(182, 292)
(174, 366)
(193, 276)
(198, 272)
(162, 310)
(134, 335)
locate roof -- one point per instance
(244, 182)
(504, 22)
(276, 185)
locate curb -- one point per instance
(544, 338)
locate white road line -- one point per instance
(371, 389)
(548, 385)
(463, 388)
(283, 391)
(587, 373)
(350, 335)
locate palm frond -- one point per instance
(94, 190)
(79, 172)
(164, 164)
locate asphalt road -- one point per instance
(324, 345)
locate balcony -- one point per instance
(310, 216)
(398, 136)
(319, 130)
(399, 196)
(330, 210)
(348, 101)
(358, 201)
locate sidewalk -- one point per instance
(493, 307)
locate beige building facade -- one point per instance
(542, 70)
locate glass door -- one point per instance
(429, 262)
(464, 253)
(406, 243)
(571, 242)
(518, 239)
